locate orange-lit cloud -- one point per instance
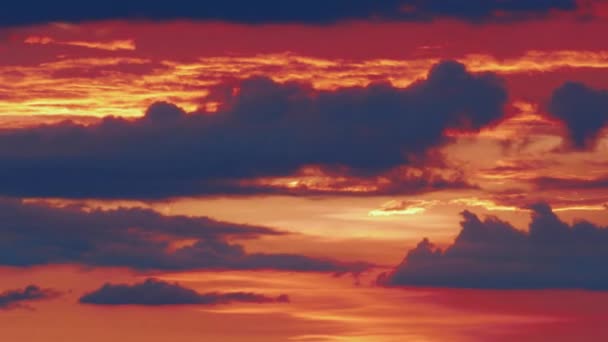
(113, 45)
(487, 204)
(124, 85)
(403, 207)
(403, 180)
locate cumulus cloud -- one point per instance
(491, 253)
(37, 234)
(265, 129)
(154, 292)
(12, 299)
(583, 110)
(276, 11)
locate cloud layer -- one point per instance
(275, 11)
(583, 110)
(12, 299)
(37, 234)
(493, 254)
(263, 129)
(154, 292)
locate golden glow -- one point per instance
(322, 308)
(539, 61)
(394, 207)
(313, 179)
(113, 45)
(91, 70)
(114, 92)
(603, 207)
(486, 204)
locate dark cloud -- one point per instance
(276, 11)
(265, 129)
(158, 292)
(17, 298)
(564, 183)
(479, 10)
(36, 234)
(583, 110)
(493, 254)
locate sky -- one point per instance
(403, 170)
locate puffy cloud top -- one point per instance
(266, 129)
(583, 110)
(491, 253)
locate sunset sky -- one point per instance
(337, 170)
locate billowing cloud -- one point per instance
(37, 234)
(273, 11)
(12, 299)
(157, 292)
(262, 129)
(583, 110)
(491, 253)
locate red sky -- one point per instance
(73, 101)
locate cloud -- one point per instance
(317, 182)
(12, 299)
(263, 129)
(488, 204)
(583, 110)
(570, 183)
(274, 11)
(403, 207)
(37, 234)
(493, 254)
(157, 292)
(113, 45)
(112, 84)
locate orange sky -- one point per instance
(88, 69)
(91, 70)
(323, 308)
